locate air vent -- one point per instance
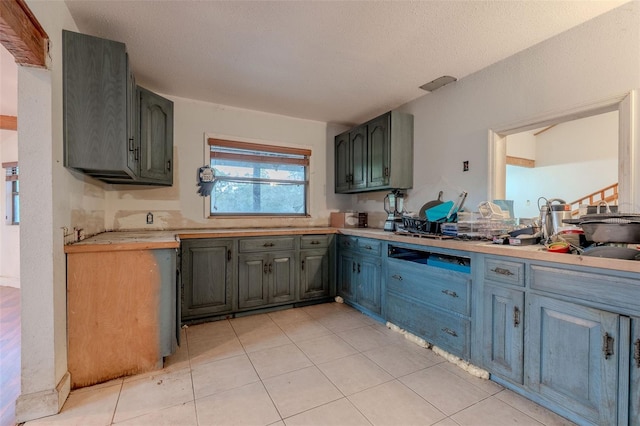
(438, 83)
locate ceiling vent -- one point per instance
(438, 83)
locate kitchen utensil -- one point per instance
(613, 252)
(603, 232)
(552, 216)
(439, 212)
(422, 214)
(456, 208)
(559, 247)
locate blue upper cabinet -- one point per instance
(376, 155)
(103, 119)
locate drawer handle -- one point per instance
(607, 345)
(265, 268)
(353, 269)
(450, 293)
(636, 352)
(268, 245)
(397, 277)
(315, 242)
(516, 316)
(302, 265)
(368, 247)
(450, 331)
(502, 271)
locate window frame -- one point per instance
(264, 146)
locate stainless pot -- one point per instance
(612, 231)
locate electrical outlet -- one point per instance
(465, 166)
(149, 218)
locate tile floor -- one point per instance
(319, 365)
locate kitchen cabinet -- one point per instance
(208, 276)
(359, 273)
(572, 357)
(156, 138)
(503, 328)
(316, 266)
(633, 411)
(121, 311)
(376, 155)
(429, 294)
(266, 271)
(102, 120)
(563, 336)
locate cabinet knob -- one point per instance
(450, 332)
(168, 165)
(396, 277)
(386, 172)
(516, 316)
(265, 268)
(302, 265)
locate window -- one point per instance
(256, 179)
(12, 216)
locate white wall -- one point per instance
(573, 159)
(588, 63)
(9, 234)
(181, 207)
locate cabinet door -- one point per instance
(572, 357)
(282, 276)
(133, 139)
(379, 152)
(156, 138)
(368, 288)
(207, 274)
(503, 332)
(358, 142)
(343, 163)
(315, 278)
(346, 273)
(634, 389)
(95, 105)
(253, 280)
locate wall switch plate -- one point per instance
(465, 166)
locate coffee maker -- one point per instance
(394, 206)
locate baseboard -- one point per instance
(44, 403)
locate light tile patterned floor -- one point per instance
(319, 365)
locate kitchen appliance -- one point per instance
(552, 214)
(394, 206)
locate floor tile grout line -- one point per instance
(115, 407)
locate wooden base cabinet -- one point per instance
(265, 279)
(207, 276)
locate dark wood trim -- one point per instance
(521, 162)
(258, 147)
(21, 34)
(10, 165)
(8, 122)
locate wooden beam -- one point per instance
(544, 130)
(8, 122)
(21, 33)
(521, 162)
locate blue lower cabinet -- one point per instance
(572, 356)
(503, 332)
(360, 273)
(445, 330)
(634, 358)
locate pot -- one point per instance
(604, 232)
(613, 252)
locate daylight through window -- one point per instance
(12, 215)
(256, 179)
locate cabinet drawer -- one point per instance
(446, 331)
(315, 241)
(446, 289)
(504, 272)
(368, 246)
(267, 244)
(347, 243)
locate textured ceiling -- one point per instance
(334, 61)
